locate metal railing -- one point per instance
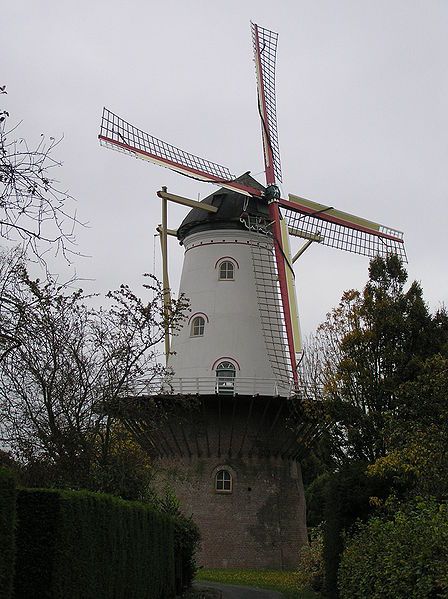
(226, 386)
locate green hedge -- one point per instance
(7, 532)
(402, 558)
(74, 544)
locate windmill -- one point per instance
(242, 418)
(296, 216)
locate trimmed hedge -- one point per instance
(7, 531)
(402, 558)
(75, 544)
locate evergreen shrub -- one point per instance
(75, 544)
(405, 557)
(7, 531)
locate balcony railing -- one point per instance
(226, 386)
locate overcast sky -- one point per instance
(362, 103)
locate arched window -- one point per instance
(226, 271)
(223, 481)
(225, 377)
(197, 326)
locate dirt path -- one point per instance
(230, 591)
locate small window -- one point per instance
(225, 378)
(197, 326)
(226, 271)
(223, 482)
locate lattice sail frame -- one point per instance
(341, 230)
(342, 237)
(118, 134)
(270, 309)
(265, 53)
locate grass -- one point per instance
(275, 580)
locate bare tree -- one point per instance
(10, 307)
(68, 363)
(33, 209)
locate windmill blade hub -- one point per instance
(272, 193)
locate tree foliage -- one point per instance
(380, 363)
(347, 500)
(418, 435)
(370, 345)
(66, 363)
(400, 557)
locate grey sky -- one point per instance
(362, 96)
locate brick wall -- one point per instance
(262, 522)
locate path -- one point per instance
(231, 591)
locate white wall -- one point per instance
(234, 328)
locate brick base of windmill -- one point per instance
(232, 461)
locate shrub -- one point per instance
(310, 573)
(405, 557)
(186, 541)
(75, 544)
(347, 499)
(7, 525)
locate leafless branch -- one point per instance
(34, 210)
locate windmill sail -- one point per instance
(118, 134)
(265, 52)
(291, 287)
(270, 309)
(341, 230)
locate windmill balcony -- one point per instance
(227, 386)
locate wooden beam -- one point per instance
(166, 284)
(304, 247)
(186, 201)
(305, 235)
(172, 232)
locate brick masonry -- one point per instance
(262, 522)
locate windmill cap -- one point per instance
(231, 205)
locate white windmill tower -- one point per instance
(234, 460)
(234, 339)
